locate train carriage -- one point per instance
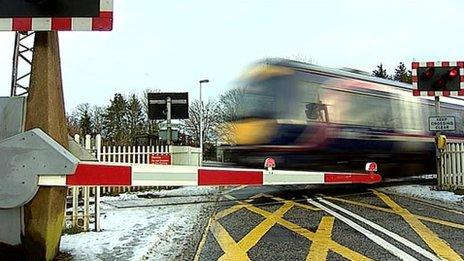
(317, 118)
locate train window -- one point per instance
(360, 109)
(409, 114)
(308, 105)
(317, 112)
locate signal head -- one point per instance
(431, 77)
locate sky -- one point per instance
(171, 44)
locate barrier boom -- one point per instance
(120, 174)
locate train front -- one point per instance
(276, 117)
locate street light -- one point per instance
(201, 122)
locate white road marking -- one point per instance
(373, 237)
(377, 227)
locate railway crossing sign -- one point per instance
(442, 123)
(56, 15)
(438, 78)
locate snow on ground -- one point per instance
(427, 192)
(136, 228)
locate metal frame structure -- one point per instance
(22, 63)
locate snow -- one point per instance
(136, 228)
(428, 192)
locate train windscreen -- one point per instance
(266, 99)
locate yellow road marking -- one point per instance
(332, 245)
(439, 246)
(296, 203)
(259, 231)
(429, 219)
(228, 211)
(231, 249)
(319, 247)
(203, 239)
(423, 202)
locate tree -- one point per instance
(150, 126)
(229, 104)
(211, 120)
(97, 115)
(402, 74)
(116, 127)
(380, 72)
(73, 124)
(135, 117)
(85, 124)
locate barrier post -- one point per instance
(44, 214)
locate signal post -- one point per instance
(438, 79)
(42, 219)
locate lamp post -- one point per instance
(201, 122)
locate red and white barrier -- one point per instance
(119, 174)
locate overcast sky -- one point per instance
(170, 45)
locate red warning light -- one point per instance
(429, 72)
(453, 73)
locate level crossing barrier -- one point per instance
(452, 166)
(32, 159)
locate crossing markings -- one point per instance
(429, 219)
(381, 229)
(373, 237)
(311, 236)
(319, 247)
(232, 251)
(424, 202)
(439, 246)
(296, 203)
(260, 230)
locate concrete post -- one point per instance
(43, 216)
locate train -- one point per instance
(309, 117)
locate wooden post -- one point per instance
(97, 210)
(75, 198)
(86, 214)
(44, 214)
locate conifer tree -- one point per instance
(380, 72)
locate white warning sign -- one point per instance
(442, 123)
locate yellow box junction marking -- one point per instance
(440, 247)
(239, 250)
(232, 251)
(319, 248)
(429, 219)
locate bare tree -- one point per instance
(230, 104)
(211, 121)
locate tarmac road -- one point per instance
(331, 223)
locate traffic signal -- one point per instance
(438, 79)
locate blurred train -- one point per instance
(315, 118)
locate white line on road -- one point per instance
(373, 237)
(377, 227)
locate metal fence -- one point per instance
(452, 166)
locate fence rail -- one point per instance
(452, 166)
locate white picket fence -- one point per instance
(80, 214)
(452, 166)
